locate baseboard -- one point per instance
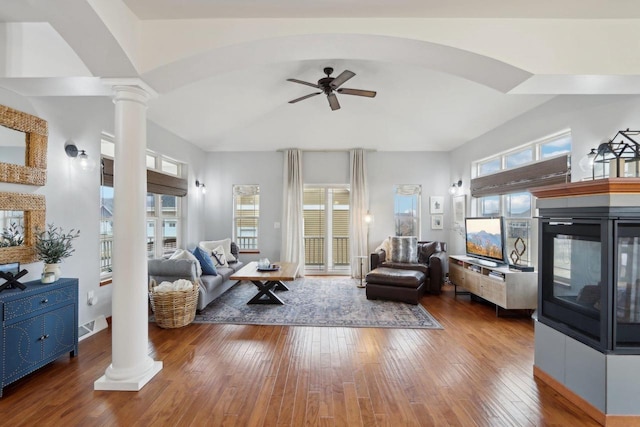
(592, 411)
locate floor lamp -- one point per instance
(368, 220)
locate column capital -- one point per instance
(126, 88)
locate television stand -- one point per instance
(485, 262)
(502, 286)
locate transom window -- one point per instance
(543, 148)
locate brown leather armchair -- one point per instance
(432, 261)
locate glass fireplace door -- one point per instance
(574, 293)
(627, 279)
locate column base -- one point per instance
(129, 384)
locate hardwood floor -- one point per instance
(475, 372)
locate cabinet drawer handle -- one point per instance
(44, 337)
(45, 300)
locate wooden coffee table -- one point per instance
(267, 281)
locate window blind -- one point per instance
(546, 172)
(157, 182)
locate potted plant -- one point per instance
(52, 245)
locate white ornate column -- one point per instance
(131, 367)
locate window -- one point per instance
(326, 229)
(518, 158)
(512, 203)
(489, 206)
(517, 205)
(246, 215)
(543, 148)
(151, 161)
(170, 167)
(107, 149)
(163, 210)
(406, 210)
(490, 166)
(106, 230)
(163, 217)
(516, 208)
(556, 146)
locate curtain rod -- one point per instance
(346, 150)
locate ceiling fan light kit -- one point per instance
(329, 85)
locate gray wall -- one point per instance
(429, 169)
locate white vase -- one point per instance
(51, 268)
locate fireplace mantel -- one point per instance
(589, 188)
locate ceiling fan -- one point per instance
(329, 85)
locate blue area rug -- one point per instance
(314, 301)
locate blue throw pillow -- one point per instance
(206, 262)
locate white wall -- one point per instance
(73, 197)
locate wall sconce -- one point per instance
(455, 187)
(368, 219)
(201, 186)
(79, 158)
(616, 154)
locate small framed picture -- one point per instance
(436, 204)
(459, 210)
(436, 222)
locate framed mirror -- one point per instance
(33, 208)
(23, 144)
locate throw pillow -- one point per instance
(404, 249)
(210, 245)
(386, 247)
(182, 254)
(219, 257)
(208, 267)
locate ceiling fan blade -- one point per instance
(358, 92)
(304, 83)
(333, 101)
(293, 101)
(343, 77)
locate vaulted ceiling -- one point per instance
(444, 72)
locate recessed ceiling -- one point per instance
(415, 109)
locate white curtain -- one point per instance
(292, 249)
(359, 205)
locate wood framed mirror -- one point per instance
(33, 207)
(33, 131)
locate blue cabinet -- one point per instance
(39, 324)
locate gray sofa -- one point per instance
(211, 287)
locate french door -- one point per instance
(326, 229)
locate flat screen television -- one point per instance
(485, 239)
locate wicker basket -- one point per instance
(173, 309)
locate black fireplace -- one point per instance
(589, 283)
